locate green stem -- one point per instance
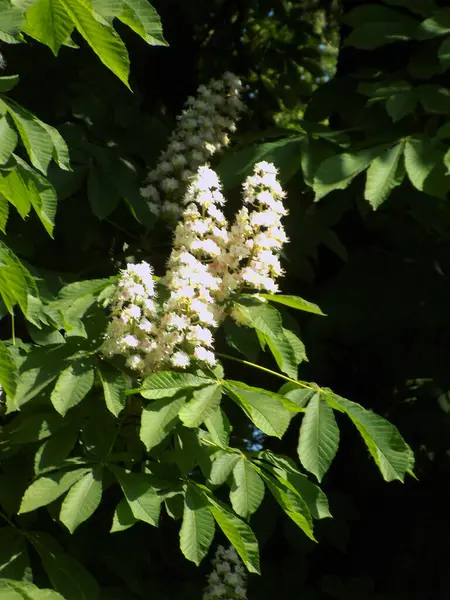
(254, 365)
(13, 329)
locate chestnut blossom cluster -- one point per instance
(191, 280)
(210, 263)
(227, 580)
(203, 129)
(134, 314)
(257, 234)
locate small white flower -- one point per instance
(134, 362)
(205, 356)
(130, 341)
(180, 359)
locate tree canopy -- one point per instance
(224, 291)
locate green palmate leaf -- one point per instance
(48, 488)
(56, 449)
(205, 402)
(292, 504)
(42, 194)
(60, 150)
(48, 22)
(8, 82)
(34, 135)
(401, 104)
(241, 339)
(23, 590)
(285, 470)
(16, 190)
(8, 139)
(67, 575)
(265, 409)
(141, 495)
(114, 385)
(438, 24)
(27, 428)
(238, 533)
(434, 98)
(420, 159)
(219, 427)
(123, 517)
(299, 395)
(4, 212)
(82, 500)
(377, 25)
(337, 172)
(8, 371)
(72, 385)
(14, 562)
(319, 437)
(294, 302)
(102, 195)
(391, 453)
(284, 153)
(297, 346)
(11, 21)
(158, 419)
(444, 53)
(197, 530)
(168, 383)
(101, 37)
(144, 20)
(386, 172)
(247, 491)
(267, 322)
(447, 160)
(222, 467)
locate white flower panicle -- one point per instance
(191, 311)
(133, 316)
(208, 265)
(256, 235)
(203, 129)
(227, 581)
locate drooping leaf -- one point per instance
(204, 403)
(391, 453)
(238, 533)
(420, 159)
(48, 488)
(67, 575)
(48, 22)
(247, 491)
(144, 20)
(14, 561)
(4, 213)
(219, 427)
(400, 105)
(165, 384)
(72, 385)
(265, 409)
(141, 495)
(101, 37)
(8, 139)
(114, 385)
(56, 449)
(319, 437)
(8, 371)
(222, 467)
(385, 172)
(266, 320)
(337, 172)
(292, 504)
(123, 517)
(158, 419)
(82, 500)
(11, 589)
(34, 135)
(197, 529)
(294, 302)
